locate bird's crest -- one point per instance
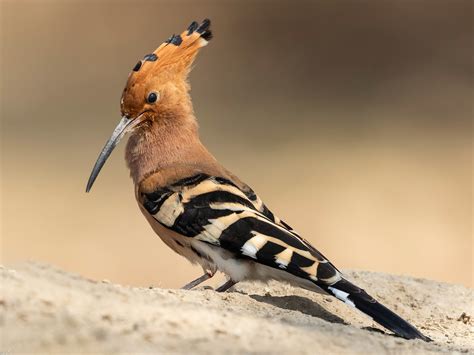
(176, 54)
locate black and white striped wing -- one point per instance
(216, 211)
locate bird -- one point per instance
(200, 209)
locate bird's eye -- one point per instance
(152, 97)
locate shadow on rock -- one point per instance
(300, 304)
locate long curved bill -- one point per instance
(123, 127)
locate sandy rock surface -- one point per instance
(44, 309)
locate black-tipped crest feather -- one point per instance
(204, 30)
(207, 35)
(192, 27)
(204, 26)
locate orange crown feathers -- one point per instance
(177, 53)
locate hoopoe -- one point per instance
(199, 208)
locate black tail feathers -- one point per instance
(358, 298)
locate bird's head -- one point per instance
(157, 87)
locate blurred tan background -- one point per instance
(351, 119)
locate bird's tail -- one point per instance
(358, 298)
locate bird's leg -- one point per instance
(224, 287)
(207, 275)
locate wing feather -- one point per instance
(216, 211)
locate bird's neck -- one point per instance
(170, 144)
